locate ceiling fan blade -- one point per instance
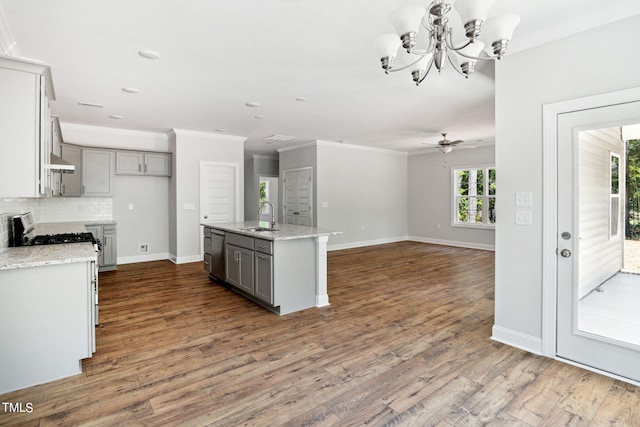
(456, 142)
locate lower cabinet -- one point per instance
(107, 234)
(249, 266)
(239, 269)
(264, 277)
(277, 274)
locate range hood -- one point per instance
(59, 165)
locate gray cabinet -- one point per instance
(264, 270)
(239, 267)
(249, 265)
(72, 182)
(96, 173)
(208, 250)
(107, 234)
(141, 163)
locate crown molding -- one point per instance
(206, 135)
(344, 145)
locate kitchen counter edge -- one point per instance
(284, 231)
(38, 256)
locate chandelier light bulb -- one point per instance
(499, 31)
(406, 21)
(387, 46)
(473, 13)
(466, 55)
(419, 69)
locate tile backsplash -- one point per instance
(4, 230)
(53, 209)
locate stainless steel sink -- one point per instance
(259, 229)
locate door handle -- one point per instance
(565, 253)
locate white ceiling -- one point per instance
(218, 55)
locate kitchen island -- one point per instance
(47, 317)
(283, 268)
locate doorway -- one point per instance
(219, 197)
(592, 329)
(298, 196)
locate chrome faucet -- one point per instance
(272, 223)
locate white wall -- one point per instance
(189, 148)
(357, 190)
(430, 198)
(597, 61)
(147, 222)
(364, 191)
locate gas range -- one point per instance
(54, 239)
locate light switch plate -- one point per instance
(524, 198)
(523, 217)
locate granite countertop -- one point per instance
(100, 222)
(283, 231)
(37, 256)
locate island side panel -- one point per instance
(294, 274)
(322, 296)
(44, 321)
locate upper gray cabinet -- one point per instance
(25, 128)
(96, 173)
(140, 163)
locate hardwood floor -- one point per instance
(404, 342)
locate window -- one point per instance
(614, 195)
(474, 196)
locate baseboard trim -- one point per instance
(517, 339)
(143, 258)
(364, 243)
(185, 259)
(456, 243)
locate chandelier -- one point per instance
(411, 18)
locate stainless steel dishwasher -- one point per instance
(217, 255)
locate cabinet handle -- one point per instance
(139, 167)
(262, 256)
(146, 168)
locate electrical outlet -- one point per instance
(143, 248)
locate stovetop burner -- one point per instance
(53, 239)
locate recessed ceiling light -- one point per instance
(301, 99)
(90, 104)
(258, 117)
(149, 54)
(130, 90)
(252, 104)
(218, 130)
(115, 116)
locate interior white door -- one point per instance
(219, 192)
(577, 216)
(298, 188)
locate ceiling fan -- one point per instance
(445, 145)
